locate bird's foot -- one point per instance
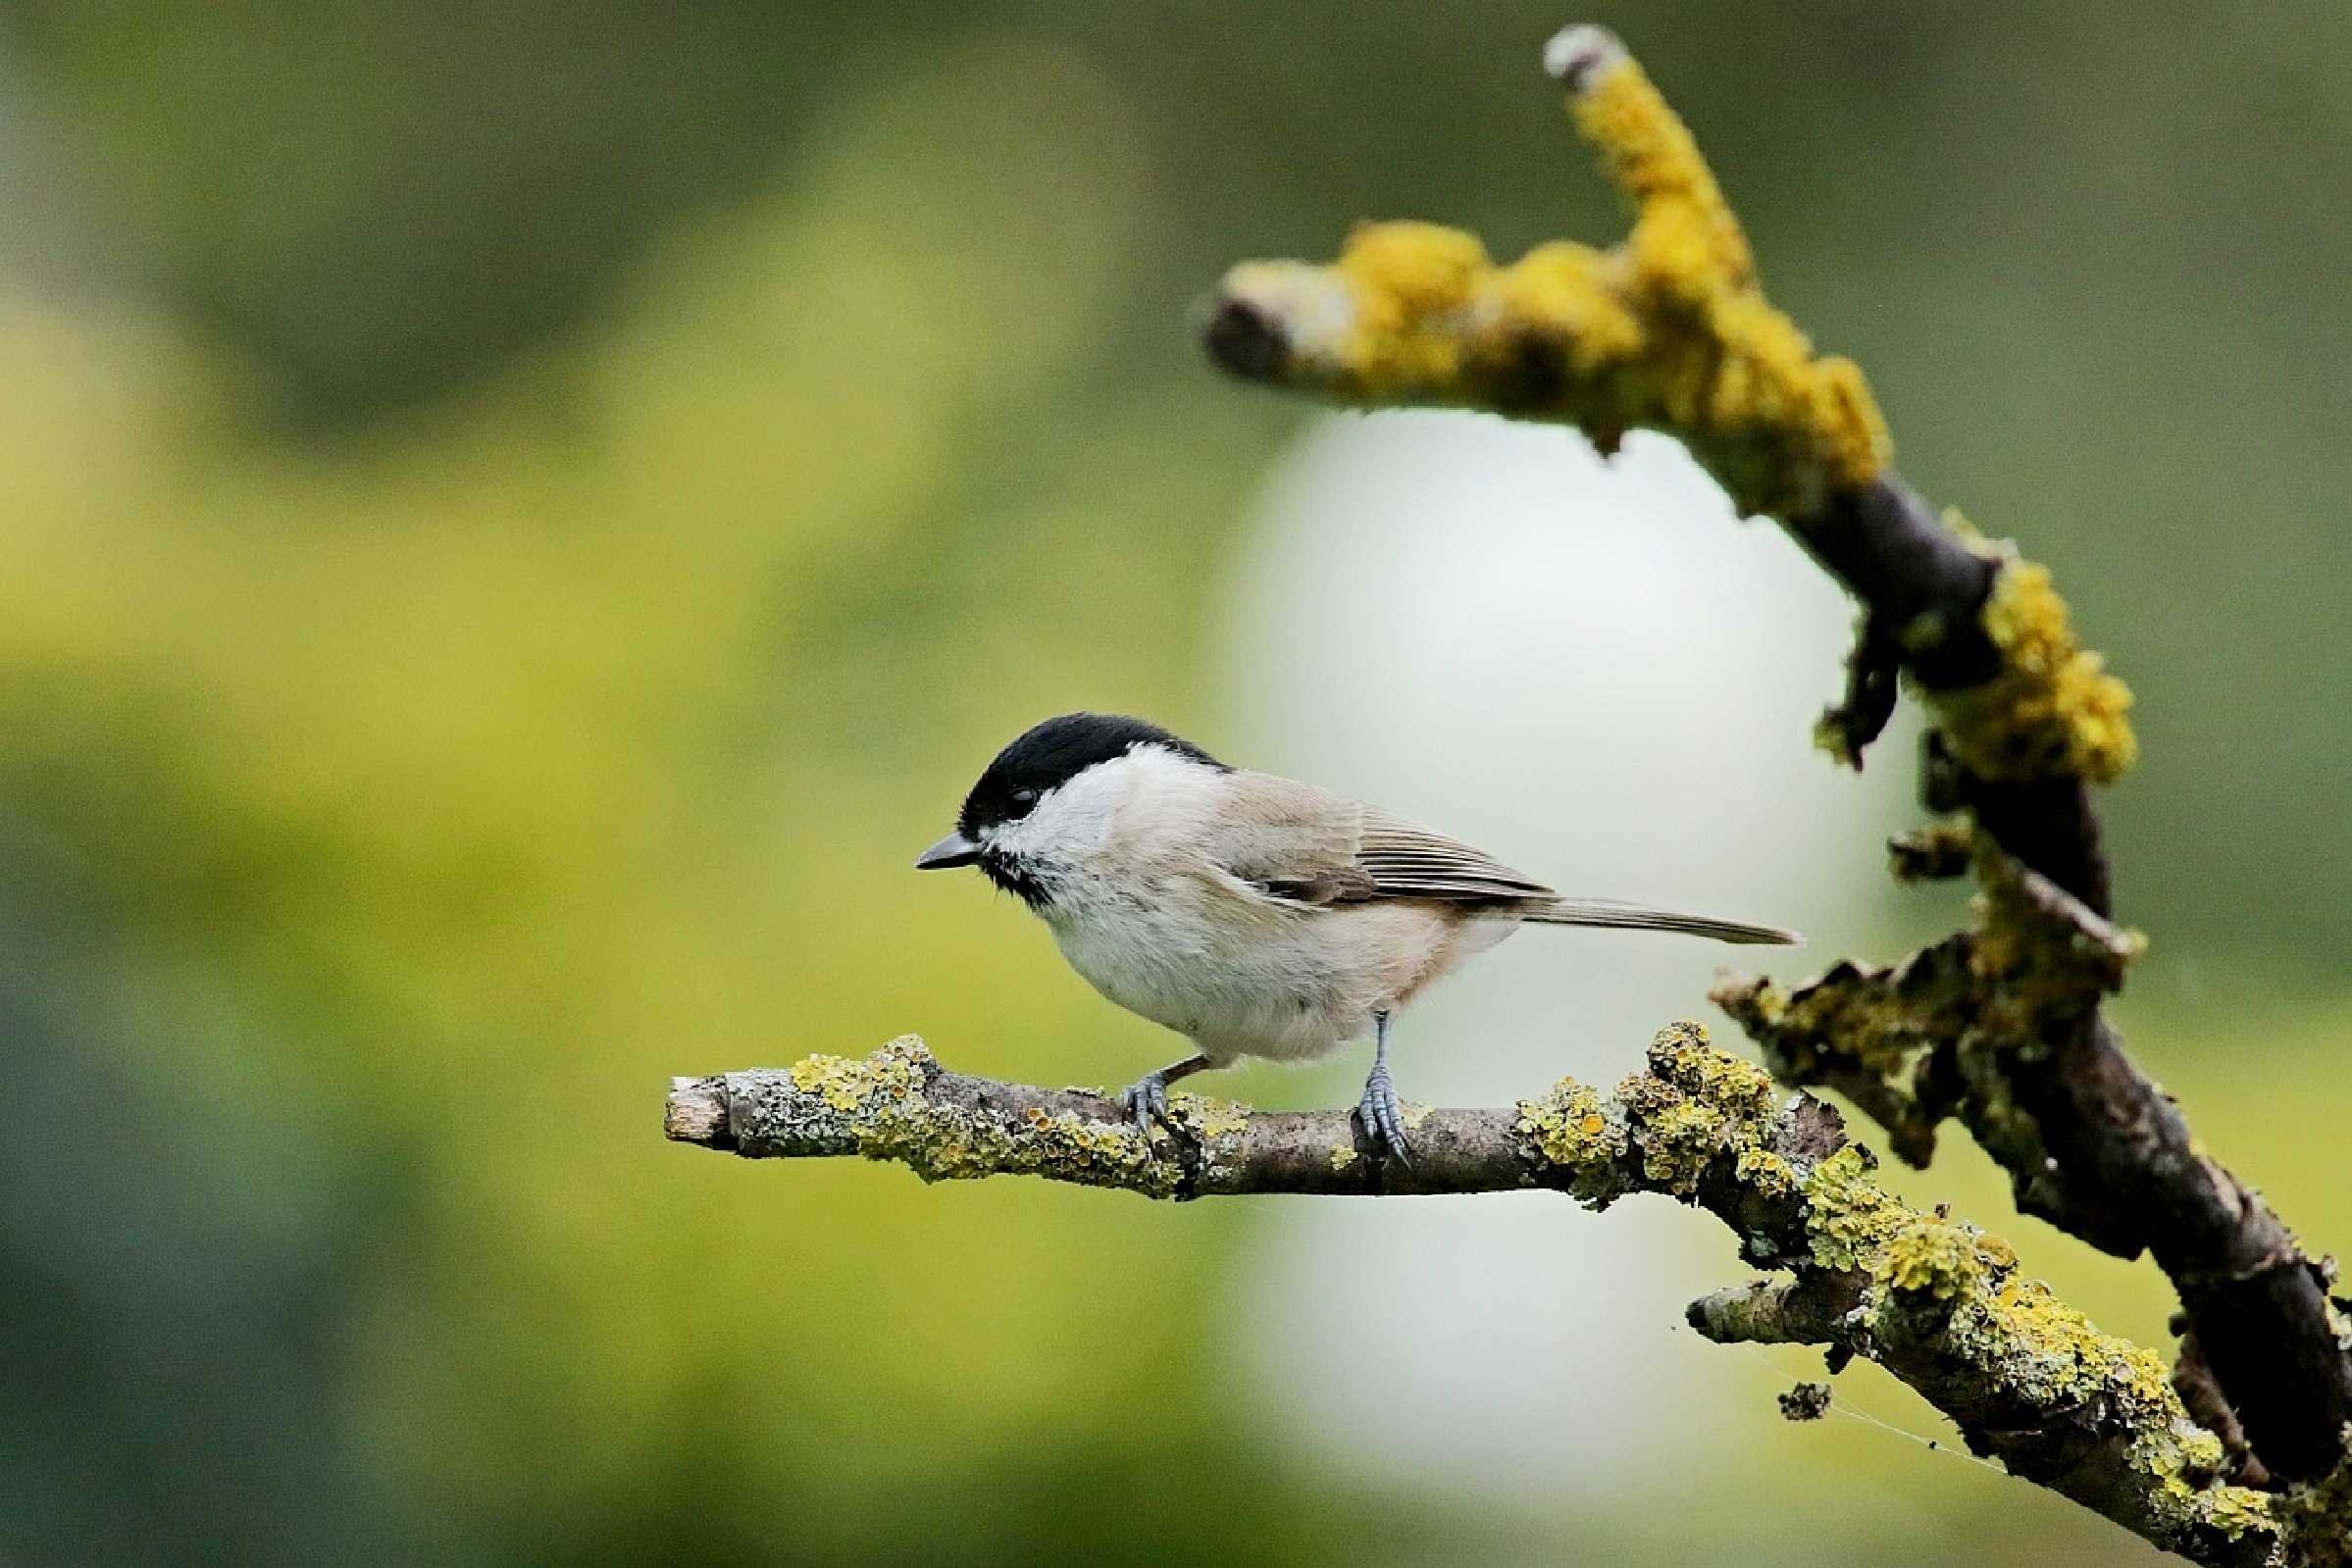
(1382, 1118)
(1145, 1102)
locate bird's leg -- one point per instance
(1382, 1118)
(1147, 1098)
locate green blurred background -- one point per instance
(520, 520)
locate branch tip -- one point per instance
(1243, 339)
(1579, 52)
(695, 1112)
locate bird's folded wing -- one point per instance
(1405, 860)
(1303, 845)
(1308, 846)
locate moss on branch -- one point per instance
(1997, 1026)
(1668, 330)
(2053, 710)
(1936, 1301)
(1941, 1032)
(2315, 1519)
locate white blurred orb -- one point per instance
(1595, 672)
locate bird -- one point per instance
(1254, 915)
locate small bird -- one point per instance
(1254, 915)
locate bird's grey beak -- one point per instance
(951, 851)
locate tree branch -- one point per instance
(899, 1104)
(1997, 1026)
(1935, 1301)
(1671, 330)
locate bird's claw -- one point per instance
(1145, 1102)
(1383, 1118)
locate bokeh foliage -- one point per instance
(520, 520)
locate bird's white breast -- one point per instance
(1146, 916)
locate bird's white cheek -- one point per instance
(1067, 826)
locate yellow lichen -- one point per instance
(1681, 1055)
(1875, 1020)
(1754, 1002)
(1570, 1130)
(2035, 958)
(846, 1083)
(2317, 1518)
(1765, 1173)
(2236, 1512)
(1829, 734)
(2053, 710)
(1933, 851)
(1848, 1217)
(1568, 286)
(1930, 1257)
(877, 1106)
(1207, 1118)
(1411, 269)
(2056, 1354)
(1694, 1105)
(1677, 1142)
(1865, 1030)
(1408, 283)
(1942, 1289)
(1943, 1279)
(1667, 331)
(942, 1143)
(1933, 1298)
(1651, 156)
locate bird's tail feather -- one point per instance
(1635, 916)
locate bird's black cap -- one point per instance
(1052, 753)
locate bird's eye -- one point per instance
(1021, 804)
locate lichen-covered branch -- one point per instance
(1998, 1027)
(1937, 1302)
(1938, 1035)
(1670, 329)
(899, 1104)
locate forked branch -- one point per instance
(1670, 329)
(1937, 1302)
(1997, 1026)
